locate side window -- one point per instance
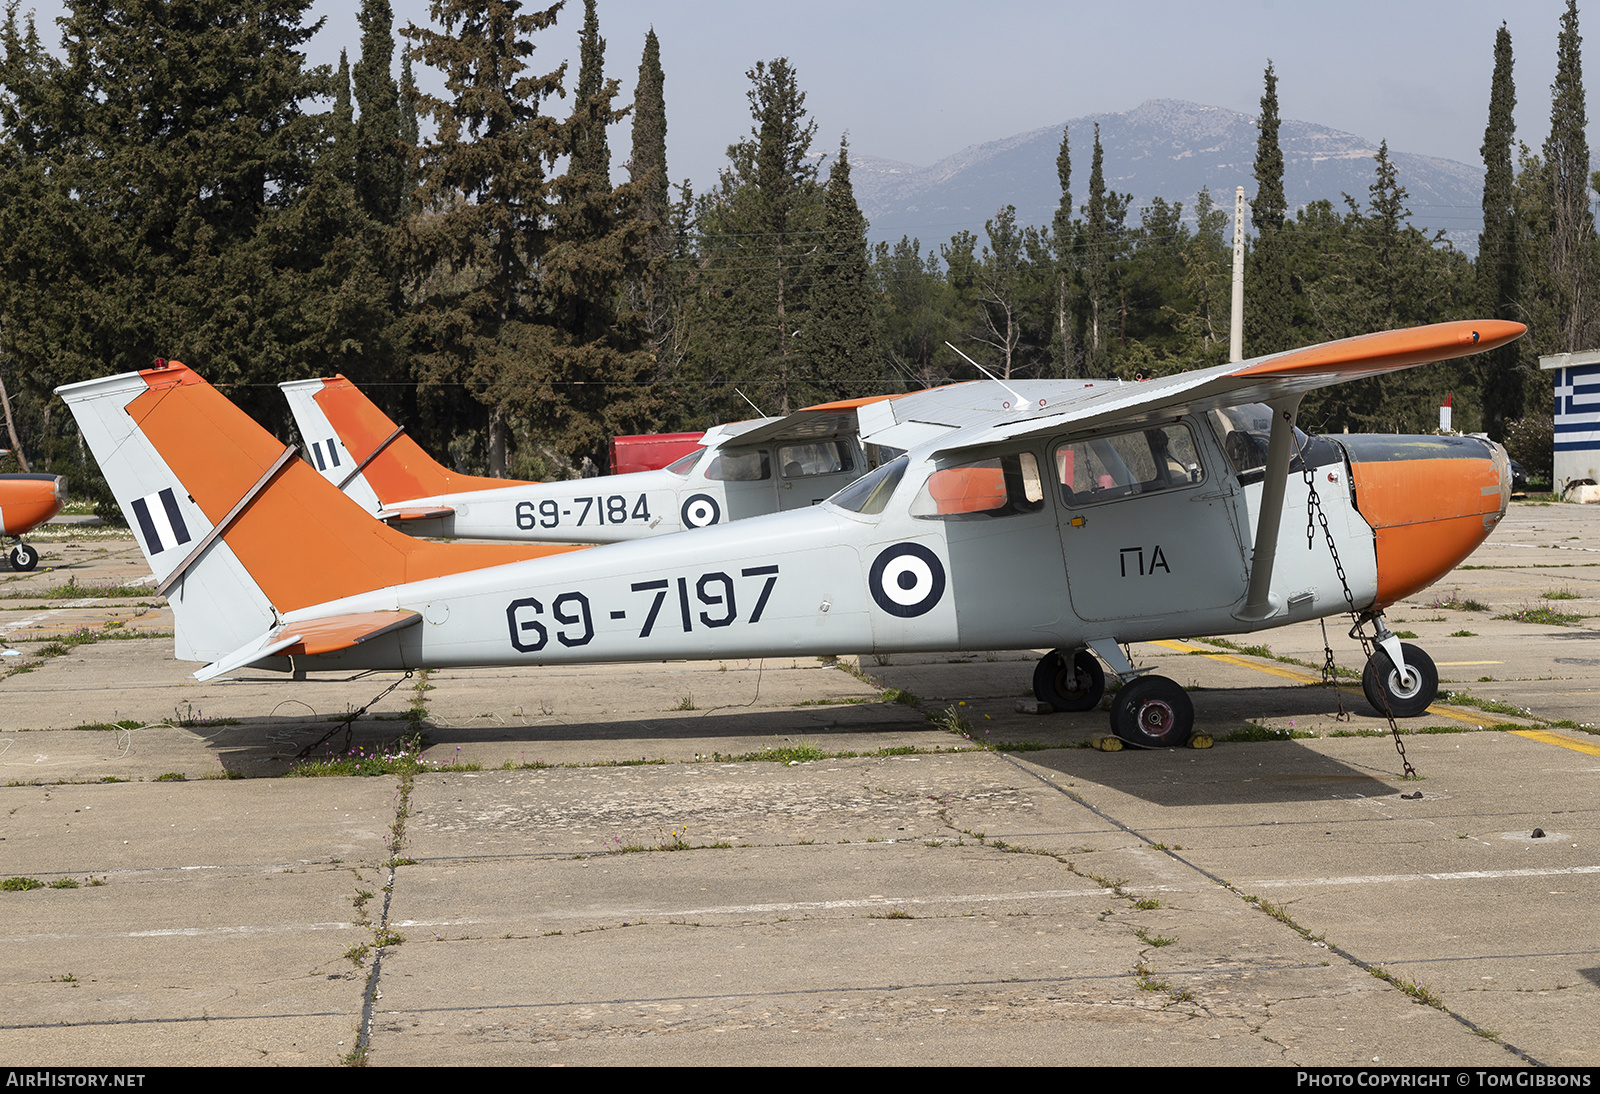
(740, 467)
(1103, 468)
(818, 458)
(981, 490)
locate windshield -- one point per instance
(685, 464)
(870, 493)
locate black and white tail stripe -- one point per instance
(333, 454)
(160, 522)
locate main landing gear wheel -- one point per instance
(1152, 712)
(1053, 680)
(1406, 697)
(24, 558)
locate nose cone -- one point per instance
(27, 501)
(1430, 502)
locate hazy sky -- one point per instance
(917, 81)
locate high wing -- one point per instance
(975, 415)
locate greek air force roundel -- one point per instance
(700, 510)
(907, 580)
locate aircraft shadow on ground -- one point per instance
(270, 745)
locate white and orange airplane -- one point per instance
(1073, 521)
(745, 469)
(27, 501)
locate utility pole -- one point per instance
(1236, 335)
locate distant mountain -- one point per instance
(1166, 148)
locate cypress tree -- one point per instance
(840, 340)
(648, 164)
(380, 154)
(1063, 244)
(1095, 245)
(1267, 304)
(1566, 158)
(591, 155)
(1500, 384)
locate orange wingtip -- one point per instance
(434, 512)
(340, 632)
(851, 404)
(1388, 350)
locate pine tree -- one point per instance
(1566, 158)
(485, 200)
(1500, 383)
(840, 342)
(165, 195)
(1267, 307)
(758, 233)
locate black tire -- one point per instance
(1050, 678)
(24, 558)
(1152, 712)
(1381, 681)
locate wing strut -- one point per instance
(362, 466)
(226, 522)
(1258, 601)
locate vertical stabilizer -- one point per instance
(394, 468)
(236, 527)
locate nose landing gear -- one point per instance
(1407, 693)
(24, 558)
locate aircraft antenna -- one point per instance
(753, 406)
(1019, 400)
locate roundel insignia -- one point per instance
(700, 510)
(907, 580)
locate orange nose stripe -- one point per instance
(1428, 515)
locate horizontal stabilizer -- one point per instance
(311, 637)
(415, 512)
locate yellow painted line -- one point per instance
(1471, 717)
(1544, 736)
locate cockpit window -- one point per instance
(814, 458)
(1104, 468)
(870, 493)
(740, 467)
(1000, 487)
(685, 464)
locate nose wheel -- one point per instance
(24, 558)
(1152, 712)
(1069, 680)
(1407, 694)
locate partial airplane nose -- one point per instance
(1430, 502)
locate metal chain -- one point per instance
(1315, 514)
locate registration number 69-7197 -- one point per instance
(706, 601)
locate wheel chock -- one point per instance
(1105, 742)
(1201, 740)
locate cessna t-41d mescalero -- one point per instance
(746, 469)
(27, 501)
(1110, 514)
